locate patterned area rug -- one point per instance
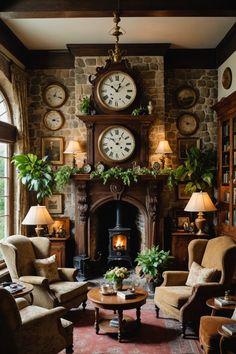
(156, 335)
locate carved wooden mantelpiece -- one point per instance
(91, 194)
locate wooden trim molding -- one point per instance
(7, 132)
(50, 59)
(227, 46)
(191, 59)
(104, 8)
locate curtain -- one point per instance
(20, 120)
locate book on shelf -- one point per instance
(229, 328)
(114, 322)
(126, 294)
(224, 302)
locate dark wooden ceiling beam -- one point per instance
(131, 49)
(105, 8)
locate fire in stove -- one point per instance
(119, 242)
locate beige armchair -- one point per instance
(28, 261)
(210, 339)
(187, 303)
(31, 329)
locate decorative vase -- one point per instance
(117, 284)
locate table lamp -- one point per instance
(200, 202)
(163, 148)
(38, 215)
(73, 148)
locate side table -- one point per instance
(28, 288)
(215, 307)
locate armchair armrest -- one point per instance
(21, 303)
(209, 290)
(45, 317)
(34, 280)
(68, 274)
(174, 278)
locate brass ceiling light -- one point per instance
(117, 31)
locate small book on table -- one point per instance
(229, 328)
(126, 294)
(221, 301)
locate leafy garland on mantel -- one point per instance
(127, 176)
(198, 171)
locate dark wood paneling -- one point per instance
(227, 46)
(50, 59)
(191, 58)
(104, 8)
(9, 41)
(131, 49)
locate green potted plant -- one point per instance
(151, 262)
(37, 174)
(141, 110)
(85, 105)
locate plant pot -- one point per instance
(152, 285)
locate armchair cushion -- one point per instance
(47, 267)
(176, 296)
(199, 274)
(66, 290)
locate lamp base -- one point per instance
(39, 230)
(200, 223)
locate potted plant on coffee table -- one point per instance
(151, 262)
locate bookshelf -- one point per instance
(226, 112)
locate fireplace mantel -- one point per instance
(90, 194)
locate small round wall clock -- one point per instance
(55, 95)
(116, 143)
(53, 120)
(227, 78)
(187, 123)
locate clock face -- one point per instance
(116, 143)
(116, 90)
(55, 95)
(187, 124)
(53, 120)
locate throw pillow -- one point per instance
(199, 274)
(47, 267)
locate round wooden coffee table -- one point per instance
(116, 303)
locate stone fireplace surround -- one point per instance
(91, 195)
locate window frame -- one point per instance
(8, 133)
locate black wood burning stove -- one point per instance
(119, 242)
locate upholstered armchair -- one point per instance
(183, 294)
(210, 339)
(32, 329)
(28, 261)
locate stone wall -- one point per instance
(159, 87)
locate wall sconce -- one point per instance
(200, 202)
(163, 148)
(73, 148)
(38, 215)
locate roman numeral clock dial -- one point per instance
(116, 143)
(116, 91)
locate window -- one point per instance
(7, 138)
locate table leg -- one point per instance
(138, 315)
(120, 317)
(96, 323)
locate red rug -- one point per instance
(160, 336)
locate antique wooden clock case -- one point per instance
(115, 93)
(139, 127)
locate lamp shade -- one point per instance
(73, 147)
(200, 201)
(38, 215)
(163, 147)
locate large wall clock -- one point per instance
(115, 88)
(116, 143)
